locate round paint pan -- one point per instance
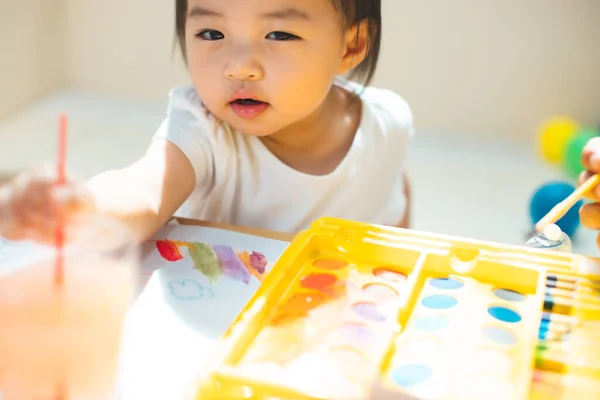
(508, 295)
(492, 361)
(504, 314)
(446, 283)
(348, 360)
(380, 292)
(430, 322)
(499, 335)
(419, 350)
(390, 275)
(439, 301)
(369, 311)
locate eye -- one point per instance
(210, 34)
(281, 36)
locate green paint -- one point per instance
(205, 261)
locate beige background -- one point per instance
(481, 67)
(32, 57)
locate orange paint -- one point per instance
(318, 281)
(330, 264)
(244, 257)
(304, 302)
(285, 318)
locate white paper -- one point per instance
(179, 315)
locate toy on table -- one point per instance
(553, 137)
(573, 149)
(561, 141)
(351, 307)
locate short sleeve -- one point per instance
(398, 112)
(188, 127)
(394, 118)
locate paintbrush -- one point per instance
(559, 210)
(59, 234)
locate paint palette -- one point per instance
(355, 311)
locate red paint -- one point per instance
(330, 264)
(318, 281)
(169, 250)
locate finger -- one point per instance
(590, 155)
(593, 194)
(590, 215)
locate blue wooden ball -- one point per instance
(547, 196)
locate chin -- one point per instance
(258, 127)
(252, 129)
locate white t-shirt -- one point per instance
(239, 181)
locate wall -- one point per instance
(32, 51)
(481, 67)
(123, 47)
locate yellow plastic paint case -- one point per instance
(358, 311)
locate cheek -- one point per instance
(309, 73)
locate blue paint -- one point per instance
(189, 290)
(439, 301)
(410, 375)
(431, 322)
(543, 334)
(504, 314)
(509, 295)
(446, 283)
(499, 335)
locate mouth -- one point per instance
(247, 102)
(248, 108)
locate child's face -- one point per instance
(283, 53)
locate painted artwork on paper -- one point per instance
(214, 261)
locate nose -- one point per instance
(244, 66)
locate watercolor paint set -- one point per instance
(356, 311)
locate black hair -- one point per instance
(352, 11)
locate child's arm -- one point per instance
(405, 223)
(147, 193)
(144, 195)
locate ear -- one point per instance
(356, 46)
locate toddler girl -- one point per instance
(268, 135)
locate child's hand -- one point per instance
(32, 205)
(590, 213)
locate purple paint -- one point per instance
(357, 333)
(369, 311)
(231, 265)
(258, 261)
